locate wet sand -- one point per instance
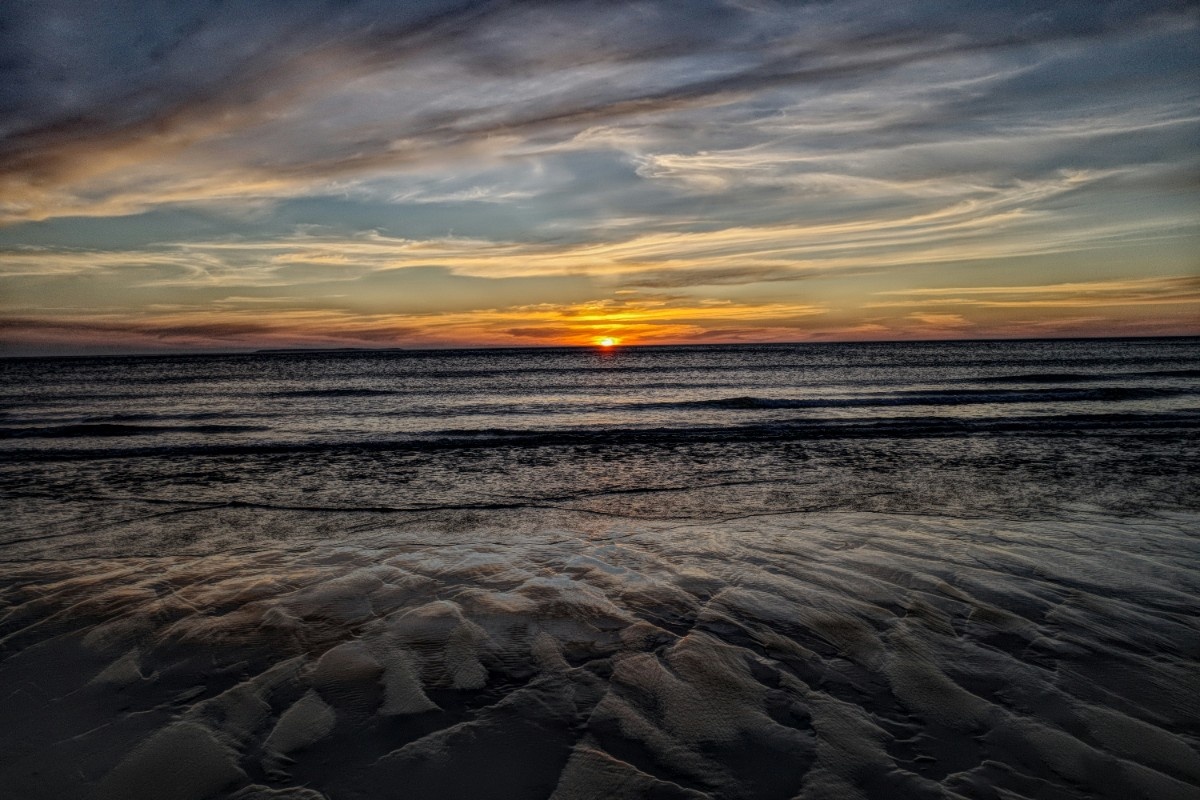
(818, 655)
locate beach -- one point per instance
(961, 569)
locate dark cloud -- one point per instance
(731, 334)
(83, 79)
(28, 334)
(732, 275)
(220, 329)
(547, 332)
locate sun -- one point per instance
(607, 341)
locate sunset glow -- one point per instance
(709, 399)
(531, 173)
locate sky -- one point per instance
(240, 174)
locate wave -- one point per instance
(84, 430)
(939, 398)
(435, 395)
(1171, 373)
(341, 392)
(1078, 377)
(1171, 424)
(1048, 377)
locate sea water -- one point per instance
(878, 570)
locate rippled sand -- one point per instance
(793, 656)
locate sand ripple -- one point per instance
(803, 656)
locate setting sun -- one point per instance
(607, 341)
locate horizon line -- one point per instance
(592, 347)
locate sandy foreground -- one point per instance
(776, 656)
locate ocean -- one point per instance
(952, 569)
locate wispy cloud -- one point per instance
(1175, 290)
(311, 97)
(318, 160)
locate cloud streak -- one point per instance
(1177, 290)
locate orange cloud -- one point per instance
(632, 320)
(1170, 290)
(936, 320)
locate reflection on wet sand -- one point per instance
(810, 656)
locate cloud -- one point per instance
(276, 100)
(632, 318)
(943, 321)
(1003, 222)
(1173, 290)
(438, 170)
(551, 332)
(146, 332)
